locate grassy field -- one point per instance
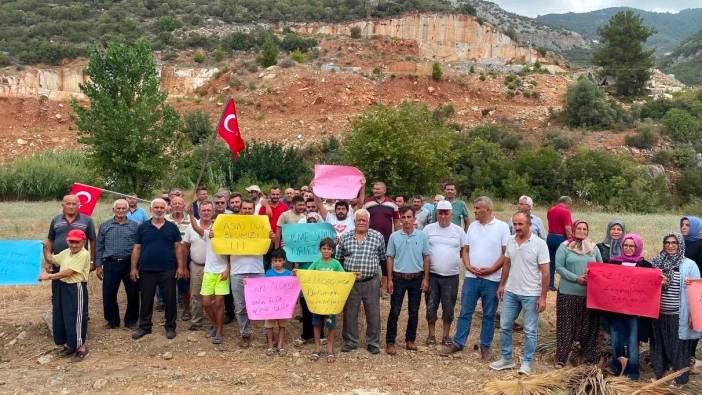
(30, 220)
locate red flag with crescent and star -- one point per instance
(228, 129)
(87, 197)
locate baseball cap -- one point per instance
(254, 188)
(444, 205)
(75, 235)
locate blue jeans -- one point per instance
(474, 289)
(553, 241)
(624, 332)
(512, 305)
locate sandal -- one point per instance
(446, 341)
(79, 356)
(67, 351)
(331, 357)
(314, 357)
(271, 351)
(559, 365)
(281, 352)
(431, 341)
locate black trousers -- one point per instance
(147, 286)
(116, 272)
(413, 288)
(70, 313)
(228, 305)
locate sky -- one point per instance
(541, 7)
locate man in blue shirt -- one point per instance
(408, 271)
(157, 260)
(135, 213)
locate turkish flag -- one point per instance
(87, 197)
(228, 129)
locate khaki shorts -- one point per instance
(270, 324)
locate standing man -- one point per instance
(115, 241)
(289, 193)
(362, 251)
(291, 216)
(524, 205)
(400, 201)
(182, 221)
(220, 207)
(523, 287)
(446, 242)
(460, 210)
(421, 214)
(201, 196)
(220, 204)
(255, 196)
(486, 241)
(235, 202)
(384, 218)
(560, 229)
(157, 260)
(408, 263)
(273, 207)
(135, 213)
(339, 218)
(195, 246)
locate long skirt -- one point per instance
(667, 350)
(575, 322)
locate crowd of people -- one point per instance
(396, 246)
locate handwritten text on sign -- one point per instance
(20, 262)
(337, 182)
(271, 298)
(241, 234)
(624, 289)
(694, 300)
(302, 240)
(325, 292)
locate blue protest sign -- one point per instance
(20, 262)
(302, 240)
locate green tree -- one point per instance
(197, 126)
(436, 71)
(269, 53)
(404, 146)
(587, 106)
(130, 130)
(622, 54)
(355, 32)
(682, 126)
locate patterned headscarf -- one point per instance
(638, 250)
(580, 246)
(669, 263)
(695, 228)
(615, 246)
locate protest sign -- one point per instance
(337, 182)
(694, 300)
(624, 289)
(241, 234)
(302, 240)
(325, 292)
(271, 298)
(20, 262)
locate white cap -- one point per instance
(444, 205)
(254, 188)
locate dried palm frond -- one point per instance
(589, 380)
(540, 384)
(622, 385)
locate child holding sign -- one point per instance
(277, 269)
(329, 264)
(70, 313)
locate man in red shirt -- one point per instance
(273, 207)
(560, 229)
(385, 218)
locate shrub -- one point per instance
(199, 57)
(466, 8)
(558, 140)
(269, 53)
(689, 185)
(586, 106)
(297, 56)
(167, 24)
(436, 72)
(497, 134)
(482, 167)
(197, 126)
(656, 109)
(219, 54)
(682, 158)
(645, 138)
(472, 69)
(293, 41)
(286, 63)
(45, 175)
(355, 32)
(682, 126)
(543, 168)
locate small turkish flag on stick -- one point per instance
(228, 129)
(87, 197)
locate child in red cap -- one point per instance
(70, 314)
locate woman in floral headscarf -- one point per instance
(672, 335)
(625, 329)
(574, 321)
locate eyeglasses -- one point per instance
(220, 202)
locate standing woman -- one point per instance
(691, 229)
(574, 321)
(624, 329)
(672, 335)
(611, 245)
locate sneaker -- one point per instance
(170, 334)
(299, 342)
(139, 333)
(525, 369)
(502, 364)
(448, 350)
(373, 350)
(347, 348)
(217, 339)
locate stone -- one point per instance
(268, 77)
(22, 335)
(201, 354)
(167, 355)
(22, 141)
(431, 90)
(192, 338)
(44, 359)
(58, 116)
(99, 384)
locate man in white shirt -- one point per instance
(195, 246)
(486, 240)
(446, 242)
(523, 287)
(341, 218)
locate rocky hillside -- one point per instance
(685, 62)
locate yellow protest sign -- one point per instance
(325, 292)
(241, 234)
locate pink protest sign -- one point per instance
(623, 289)
(337, 182)
(694, 299)
(271, 298)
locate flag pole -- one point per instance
(116, 193)
(210, 144)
